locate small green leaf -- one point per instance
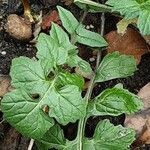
(114, 66)
(109, 137)
(48, 49)
(90, 38)
(69, 22)
(54, 138)
(92, 6)
(66, 78)
(115, 101)
(61, 37)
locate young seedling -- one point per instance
(46, 95)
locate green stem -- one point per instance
(82, 122)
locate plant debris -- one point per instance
(131, 43)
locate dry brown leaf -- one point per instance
(49, 18)
(131, 43)
(140, 122)
(4, 85)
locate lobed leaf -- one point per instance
(37, 90)
(115, 101)
(107, 136)
(114, 66)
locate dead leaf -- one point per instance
(140, 122)
(123, 24)
(49, 18)
(144, 94)
(37, 28)
(131, 43)
(4, 85)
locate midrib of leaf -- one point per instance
(69, 22)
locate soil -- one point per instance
(11, 48)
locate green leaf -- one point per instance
(92, 6)
(90, 38)
(30, 74)
(73, 60)
(67, 104)
(134, 9)
(49, 50)
(54, 138)
(66, 78)
(130, 8)
(144, 22)
(61, 37)
(110, 137)
(115, 101)
(69, 22)
(25, 113)
(83, 68)
(114, 66)
(36, 90)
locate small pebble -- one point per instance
(92, 59)
(91, 26)
(3, 52)
(87, 27)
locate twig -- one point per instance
(31, 144)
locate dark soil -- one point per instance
(11, 48)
